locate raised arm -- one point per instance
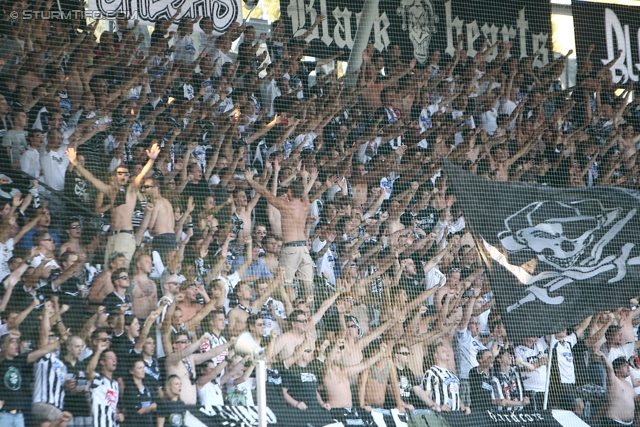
(101, 186)
(276, 202)
(152, 153)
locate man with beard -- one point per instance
(124, 199)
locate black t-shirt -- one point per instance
(275, 395)
(153, 375)
(113, 302)
(427, 219)
(77, 403)
(172, 411)
(199, 191)
(406, 382)
(135, 399)
(481, 390)
(123, 348)
(70, 295)
(13, 381)
(302, 383)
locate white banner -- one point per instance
(223, 12)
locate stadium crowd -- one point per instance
(158, 202)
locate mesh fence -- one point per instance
(384, 213)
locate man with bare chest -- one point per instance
(337, 385)
(162, 223)
(144, 295)
(124, 201)
(620, 393)
(272, 251)
(244, 209)
(294, 256)
(183, 361)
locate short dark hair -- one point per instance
(176, 335)
(116, 274)
(39, 236)
(252, 319)
(103, 355)
(297, 189)
(619, 363)
(294, 315)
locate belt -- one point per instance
(296, 243)
(121, 231)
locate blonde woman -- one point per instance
(171, 408)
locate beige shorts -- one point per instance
(120, 242)
(45, 412)
(296, 262)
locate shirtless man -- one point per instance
(101, 285)
(162, 223)
(336, 379)
(144, 295)
(124, 198)
(74, 231)
(374, 383)
(275, 218)
(301, 321)
(620, 410)
(190, 305)
(295, 256)
(398, 205)
(239, 314)
(353, 343)
(244, 209)
(183, 361)
(272, 251)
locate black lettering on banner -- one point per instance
(222, 12)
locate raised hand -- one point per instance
(153, 152)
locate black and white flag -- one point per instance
(555, 256)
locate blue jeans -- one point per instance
(11, 420)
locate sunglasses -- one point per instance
(123, 278)
(182, 342)
(146, 187)
(74, 227)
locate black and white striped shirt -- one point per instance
(443, 387)
(50, 374)
(105, 393)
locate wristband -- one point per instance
(189, 225)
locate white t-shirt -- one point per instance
(6, 252)
(565, 359)
(466, 352)
(54, 167)
(185, 50)
(536, 379)
(30, 163)
(37, 261)
(627, 350)
(211, 394)
(325, 263)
